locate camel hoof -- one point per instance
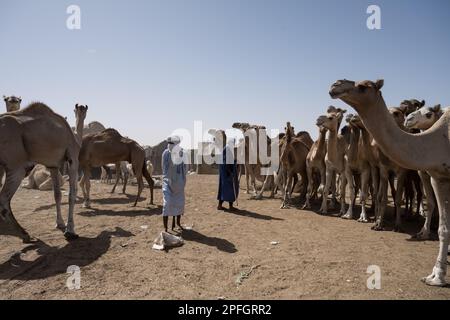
(347, 216)
(435, 279)
(70, 236)
(60, 226)
(29, 239)
(398, 229)
(421, 236)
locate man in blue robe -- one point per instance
(174, 182)
(228, 177)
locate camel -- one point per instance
(252, 170)
(334, 159)
(124, 171)
(109, 146)
(293, 160)
(32, 135)
(428, 151)
(356, 163)
(315, 163)
(12, 103)
(40, 177)
(423, 119)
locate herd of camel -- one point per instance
(406, 147)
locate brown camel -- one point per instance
(428, 151)
(36, 134)
(334, 159)
(109, 146)
(293, 160)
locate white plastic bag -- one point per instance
(167, 240)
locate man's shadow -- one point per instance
(219, 243)
(246, 213)
(53, 260)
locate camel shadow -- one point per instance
(220, 244)
(92, 212)
(250, 214)
(115, 200)
(55, 260)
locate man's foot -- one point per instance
(220, 208)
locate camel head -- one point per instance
(332, 120)
(220, 137)
(81, 111)
(12, 103)
(357, 94)
(409, 106)
(244, 126)
(355, 121)
(398, 116)
(423, 118)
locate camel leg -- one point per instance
(381, 200)
(247, 179)
(118, 176)
(287, 194)
(328, 180)
(125, 182)
(401, 179)
(418, 186)
(309, 191)
(150, 182)
(57, 194)
(333, 190)
(442, 192)
(431, 205)
(85, 186)
(365, 177)
(375, 175)
(70, 234)
(342, 186)
(351, 183)
(12, 182)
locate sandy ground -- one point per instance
(316, 257)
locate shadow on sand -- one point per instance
(157, 210)
(55, 260)
(220, 244)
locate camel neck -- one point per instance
(322, 140)
(332, 146)
(80, 127)
(352, 152)
(409, 151)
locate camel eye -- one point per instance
(428, 115)
(330, 118)
(362, 88)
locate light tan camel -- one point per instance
(124, 171)
(356, 164)
(252, 161)
(315, 164)
(428, 151)
(334, 159)
(37, 135)
(293, 160)
(423, 119)
(109, 146)
(12, 103)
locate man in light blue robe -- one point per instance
(174, 182)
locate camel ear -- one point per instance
(76, 106)
(5, 98)
(422, 103)
(379, 84)
(342, 111)
(436, 108)
(331, 109)
(87, 107)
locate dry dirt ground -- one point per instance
(317, 257)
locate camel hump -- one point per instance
(36, 109)
(111, 132)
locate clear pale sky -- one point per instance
(149, 67)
